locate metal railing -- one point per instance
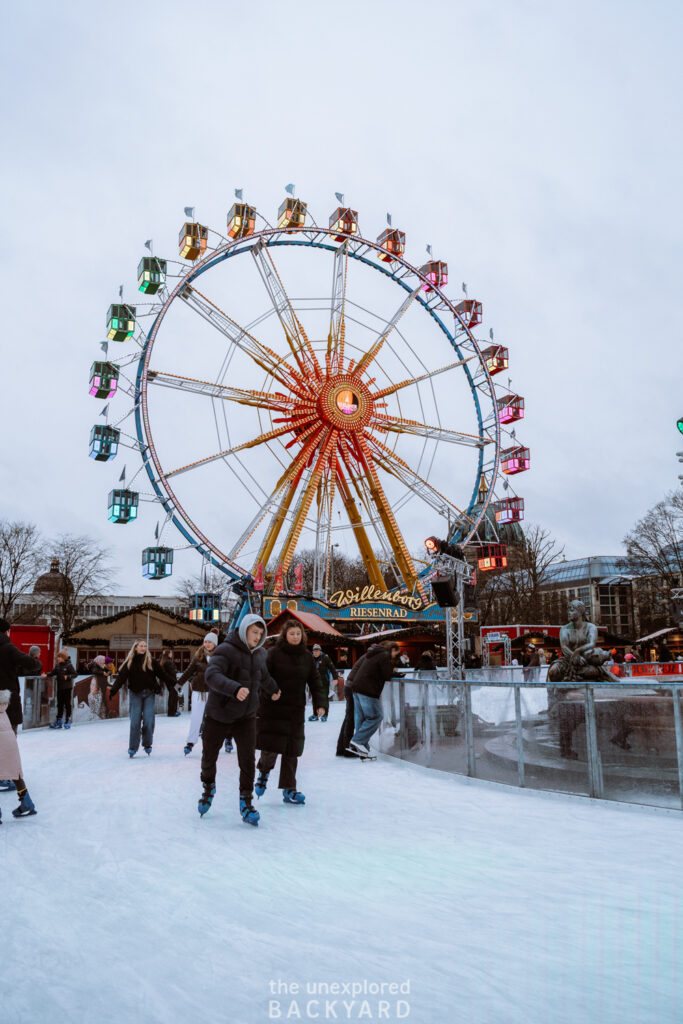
(618, 741)
(39, 702)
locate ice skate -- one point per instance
(261, 783)
(292, 796)
(206, 799)
(26, 807)
(250, 816)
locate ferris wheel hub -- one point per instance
(345, 402)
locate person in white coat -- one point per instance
(10, 761)
(194, 673)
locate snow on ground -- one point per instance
(492, 906)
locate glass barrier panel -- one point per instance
(553, 740)
(636, 740)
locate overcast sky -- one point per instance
(535, 145)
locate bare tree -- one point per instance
(208, 582)
(345, 572)
(654, 554)
(516, 595)
(21, 560)
(85, 571)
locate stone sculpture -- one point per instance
(582, 660)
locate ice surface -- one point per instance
(119, 904)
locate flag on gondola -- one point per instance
(104, 345)
(239, 193)
(340, 197)
(120, 291)
(298, 578)
(189, 211)
(148, 244)
(258, 578)
(389, 219)
(278, 582)
(289, 188)
(105, 411)
(122, 478)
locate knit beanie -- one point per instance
(211, 638)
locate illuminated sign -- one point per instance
(373, 594)
(355, 610)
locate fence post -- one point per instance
(594, 763)
(402, 714)
(469, 734)
(676, 697)
(520, 738)
(426, 721)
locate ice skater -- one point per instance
(369, 676)
(327, 673)
(236, 676)
(10, 761)
(64, 674)
(145, 678)
(280, 727)
(195, 675)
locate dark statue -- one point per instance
(582, 661)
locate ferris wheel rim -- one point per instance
(274, 237)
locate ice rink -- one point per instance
(421, 896)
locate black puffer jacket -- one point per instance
(195, 673)
(64, 673)
(370, 673)
(280, 725)
(14, 663)
(139, 678)
(234, 665)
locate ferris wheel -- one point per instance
(300, 387)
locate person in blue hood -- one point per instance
(237, 677)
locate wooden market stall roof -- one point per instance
(313, 624)
(175, 630)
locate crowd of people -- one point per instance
(242, 696)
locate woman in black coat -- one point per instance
(280, 726)
(144, 677)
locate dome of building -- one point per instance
(52, 582)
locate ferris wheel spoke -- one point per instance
(399, 425)
(291, 479)
(379, 498)
(270, 435)
(392, 464)
(262, 355)
(336, 337)
(326, 455)
(363, 541)
(376, 347)
(323, 530)
(255, 523)
(417, 380)
(276, 522)
(273, 400)
(300, 346)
